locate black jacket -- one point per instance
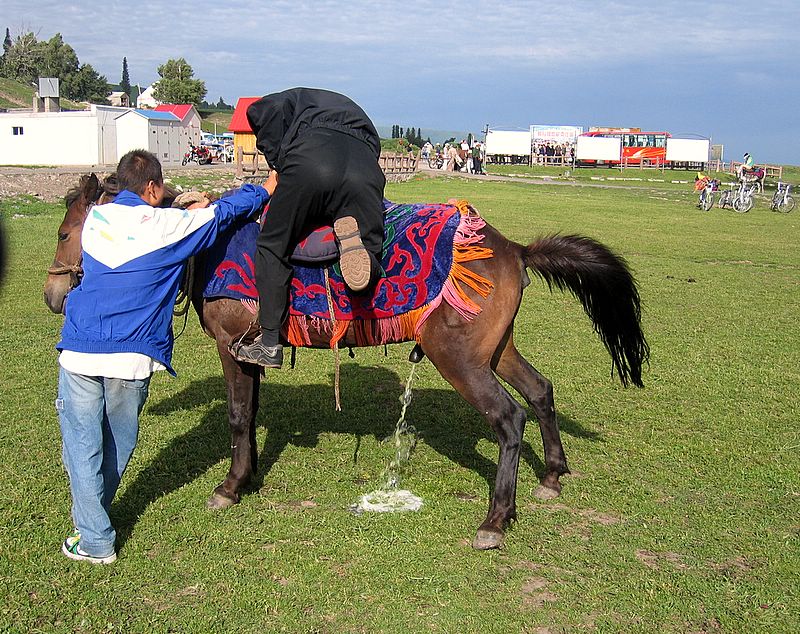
(280, 119)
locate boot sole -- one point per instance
(277, 364)
(354, 259)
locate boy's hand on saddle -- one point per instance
(271, 182)
(192, 200)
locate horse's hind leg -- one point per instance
(243, 382)
(507, 417)
(537, 390)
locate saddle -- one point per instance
(423, 251)
(752, 177)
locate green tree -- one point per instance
(125, 82)
(58, 59)
(6, 45)
(23, 58)
(177, 84)
(87, 85)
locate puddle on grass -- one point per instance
(390, 498)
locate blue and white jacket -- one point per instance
(133, 260)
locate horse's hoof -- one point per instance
(486, 540)
(545, 493)
(218, 502)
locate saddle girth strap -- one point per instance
(335, 342)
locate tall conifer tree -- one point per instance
(125, 82)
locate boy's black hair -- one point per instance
(136, 169)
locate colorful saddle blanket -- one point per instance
(422, 254)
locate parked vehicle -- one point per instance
(201, 154)
(726, 197)
(782, 200)
(744, 196)
(436, 160)
(707, 188)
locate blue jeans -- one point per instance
(99, 420)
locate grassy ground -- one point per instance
(629, 177)
(217, 122)
(16, 95)
(681, 514)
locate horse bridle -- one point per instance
(75, 271)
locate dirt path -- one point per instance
(51, 183)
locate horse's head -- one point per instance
(65, 273)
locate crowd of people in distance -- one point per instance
(457, 157)
(550, 152)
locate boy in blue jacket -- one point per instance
(118, 331)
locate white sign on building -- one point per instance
(556, 133)
(598, 148)
(688, 150)
(508, 143)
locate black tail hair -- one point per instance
(605, 287)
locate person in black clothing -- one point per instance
(325, 151)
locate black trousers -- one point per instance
(326, 174)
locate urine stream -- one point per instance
(389, 497)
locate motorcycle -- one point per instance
(436, 160)
(198, 153)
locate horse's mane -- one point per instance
(75, 192)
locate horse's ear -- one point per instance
(91, 187)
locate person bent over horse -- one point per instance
(325, 150)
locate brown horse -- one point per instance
(470, 355)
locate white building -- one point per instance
(119, 98)
(146, 99)
(85, 137)
(98, 136)
(159, 132)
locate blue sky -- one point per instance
(727, 70)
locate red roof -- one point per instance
(179, 110)
(239, 121)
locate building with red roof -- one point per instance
(186, 112)
(243, 136)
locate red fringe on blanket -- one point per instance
(405, 327)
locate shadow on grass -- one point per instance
(299, 414)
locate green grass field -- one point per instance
(13, 94)
(681, 513)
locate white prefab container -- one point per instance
(508, 143)
(85, 137)
(158, 132)
(688, 150)
(598, 148)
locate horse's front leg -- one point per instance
(243, 381)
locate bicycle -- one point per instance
(744, 197)
(726, 198)
(436, 160)
(781, 200)
(707, 194)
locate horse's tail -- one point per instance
(603, 283)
